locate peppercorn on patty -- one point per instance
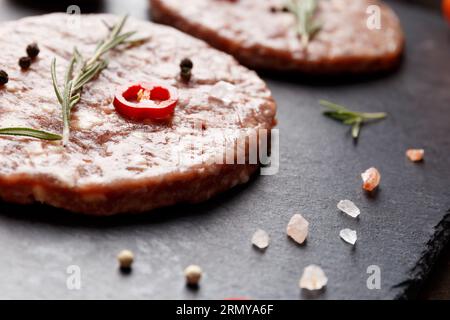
(346, 36)
(111, 164)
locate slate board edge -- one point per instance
(420, 273)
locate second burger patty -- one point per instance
(261, 35)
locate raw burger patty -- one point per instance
(262, 39)
(112, 165)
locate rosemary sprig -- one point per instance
(304, 12)
(28, 132)
(70, 93)
(135, 42)
(86, 70)
(349, 117)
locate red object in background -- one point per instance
(143, 100)
(446, 9)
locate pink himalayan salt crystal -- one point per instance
(260, 239)
(313, 278)
(371, 179)
(297, 228)
(415, 155)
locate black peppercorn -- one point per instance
(275, 9)
(186, 66)
(25, 63)
(33, 50)
(186, 63)
(3, 78)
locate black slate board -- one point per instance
(401, 229)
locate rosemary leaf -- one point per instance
(29, 132)
(78, 57)
(55, 81)
(66, 111)
(74, 100)
(333, 106)
(115, 42)
(117, 28)
(304, 12)
(356, 129)
(136, 42)
(69, 70)
(88, 76)
(349, 117)
(107, 25)
(99, 44)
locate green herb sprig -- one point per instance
(70, 93)
(306, 24)
(85, 70)
(349, 117)
(28, 132)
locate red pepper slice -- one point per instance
(144, 100)
(446, 9)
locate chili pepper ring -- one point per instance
(143, 101)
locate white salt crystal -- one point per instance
(297, 228)
(260, 239)
(223, 91)
(349, 208)
(348, 236)
(313, 278)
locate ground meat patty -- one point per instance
(112, 165)
(261, 38)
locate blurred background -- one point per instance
(13, 9)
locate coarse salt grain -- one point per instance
(297, 228)
(348, 236)
(371, 179)
(349, 208)
(313, 278)
(223, 91)
(415, 155)
(260, 239)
